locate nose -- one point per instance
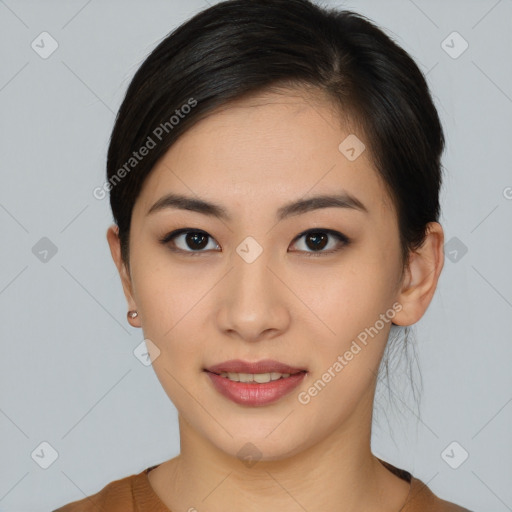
(254, 301)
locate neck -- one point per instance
(339, 472)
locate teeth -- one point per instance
(259, 378)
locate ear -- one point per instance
(421, 276)
(115, 250)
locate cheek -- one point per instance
(171, 314)
(353, 294)
(351, 302)
(348, 354)
(167, 299)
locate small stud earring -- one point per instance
(132, 314)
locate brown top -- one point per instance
(135, 494)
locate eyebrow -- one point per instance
(301, 206)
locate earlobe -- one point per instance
(421, 277)
(115, 250)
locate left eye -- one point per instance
(197, 240)
(318, 240)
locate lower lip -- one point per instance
(252, 393)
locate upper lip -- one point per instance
(263, 366)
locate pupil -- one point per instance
(318, 239)
(193, 237)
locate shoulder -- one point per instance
(117, 496)
(422, 499)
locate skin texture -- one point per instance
(252, 157)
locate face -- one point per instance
(303, 286)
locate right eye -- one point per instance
(181, 240)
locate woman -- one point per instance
(274, 173)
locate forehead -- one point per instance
(266, 148)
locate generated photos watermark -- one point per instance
(304, 397)
(151, 142)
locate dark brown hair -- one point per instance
(240, 47)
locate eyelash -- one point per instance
(343, 239)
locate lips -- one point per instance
(263, 366)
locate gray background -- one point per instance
(68, 375)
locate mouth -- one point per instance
(258, 378)
(264, 367)
(254, 384)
